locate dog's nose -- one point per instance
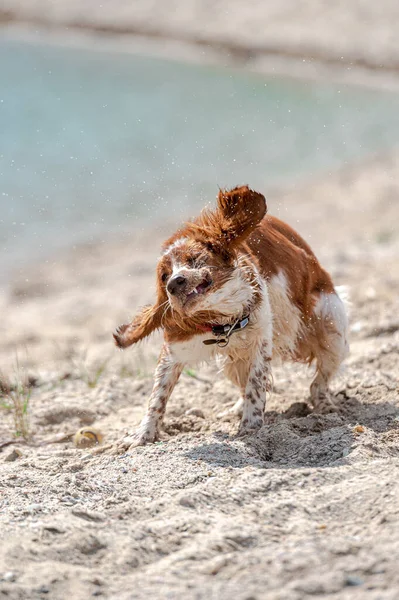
(176, 284)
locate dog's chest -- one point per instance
(195, 351)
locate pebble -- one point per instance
(14, 455)
(358, 429)
(33, 507)
(74, 467)
(86, 457)
(88, 515)
(68, 500)
(9, 576)
(196, 412)
(353, 580)
(187, 501)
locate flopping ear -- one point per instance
(143, 324)
(238, 213)
(241, 210)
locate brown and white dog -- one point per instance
(245, 287)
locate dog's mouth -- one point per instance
(200, 289)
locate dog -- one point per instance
(243, 286)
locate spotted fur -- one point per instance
(230, 262)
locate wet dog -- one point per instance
(243, 286)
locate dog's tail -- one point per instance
(343, 293)
(143, 324)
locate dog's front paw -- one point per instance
(140, 438)
(324, 405)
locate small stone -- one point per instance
(187, 501)
(86, 457)
(14, 455)
(34, 507)
(43, 589)
(196, 412)
(9, 576)
(75, 466)
(53, 529)
(353, 580)
(90, 545)
(88, 515)
(68, 500)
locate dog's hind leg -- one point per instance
(235, 410)
(331, 348)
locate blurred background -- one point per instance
(118, 116)
(119, 119)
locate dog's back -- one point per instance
(280, 249)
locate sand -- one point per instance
(308, 507)
(353, 41)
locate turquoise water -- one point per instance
(92, 143)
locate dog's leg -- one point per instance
(235, 410)
(237, 372)
(167, 374)
(254, 399)
(331, 350)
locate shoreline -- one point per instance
(269, 62)
(280, 199)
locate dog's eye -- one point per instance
(193, 260)
(164, 277)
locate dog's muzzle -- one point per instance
(176, 284)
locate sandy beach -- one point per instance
(305, 508)
(355, 43)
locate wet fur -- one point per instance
(258, 265)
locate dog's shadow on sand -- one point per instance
(300, 438)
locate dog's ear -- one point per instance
(143, 324)
(240, 211)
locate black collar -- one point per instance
(223, 332)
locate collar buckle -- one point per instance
(223, 332)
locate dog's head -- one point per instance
(200, 271)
